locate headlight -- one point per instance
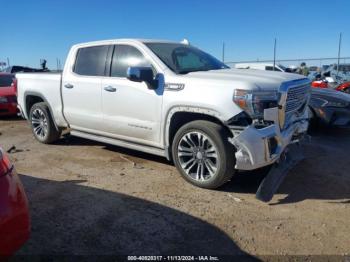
(254, 102)
(3, 100)
(336, 104)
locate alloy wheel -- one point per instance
(198, 156)
(39, 123)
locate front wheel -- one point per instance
(203, 154)
(42, 124)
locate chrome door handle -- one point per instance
(69, 86)
(110, 89)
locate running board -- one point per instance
(116, 142)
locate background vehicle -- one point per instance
(313, 71)
(330, 107)
(261, 66)
(17, 69)
(320, 83)
(343, 75)
(169, 99)
(8, 94)
(344, 87)
(14, 212)
(329, 82)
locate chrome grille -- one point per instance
(296, 97)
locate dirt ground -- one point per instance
(91, 198)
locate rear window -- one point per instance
(91, 61)
(6, 80)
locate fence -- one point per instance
(319, 62)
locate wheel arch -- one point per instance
(31, 98)
(179, 116)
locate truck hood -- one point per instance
(245, 78)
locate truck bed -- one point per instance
(48, 85)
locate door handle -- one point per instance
(69, 86)
(110, 89)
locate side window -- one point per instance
(91, 61)
(125, 56)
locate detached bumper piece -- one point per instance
(270, 184)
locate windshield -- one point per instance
(6, 80)
(183, 59)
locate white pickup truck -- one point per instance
(170, 99)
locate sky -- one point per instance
(31, 30)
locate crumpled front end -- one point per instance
(258, 146)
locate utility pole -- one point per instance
(223, 52)
(274, 55)
(340, 37)
(8, 62)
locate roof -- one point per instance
(134, 40)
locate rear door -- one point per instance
(81, 88)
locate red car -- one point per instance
(319, 84)
(14, 212)
(344, 87)
(8, 94)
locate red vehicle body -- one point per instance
(8, 94)
(344, 87)
(14, 212)
(319, 84)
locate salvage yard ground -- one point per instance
(91, 198)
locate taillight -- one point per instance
(14, 85)
(5, 164)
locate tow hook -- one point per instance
(272, 181)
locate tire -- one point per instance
(41, 122)
(203, 155)
(347, 90)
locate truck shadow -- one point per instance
(323, 174)
(10, 119)
(68, 140)
(69, 218)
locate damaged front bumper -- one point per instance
(257, 148)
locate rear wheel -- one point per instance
(42, 124)
(203, 154)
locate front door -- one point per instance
(131, 111)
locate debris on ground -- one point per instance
(134, 164)
(238, 200)
(13, 149)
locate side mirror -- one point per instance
(142, 74)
